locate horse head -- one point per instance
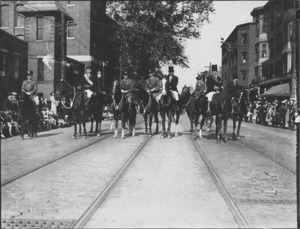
(23, 99)
(165, 86)
(63, 89)
(185, 93)
(116, 87)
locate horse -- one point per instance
(148, 107)
(191, 106)
(168, 107)
(95, 111)
(239, 110)
(72, 98)
(28, 115)
(220, 108)
(122, 110)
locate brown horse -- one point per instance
(169, 108)
(122, 110)
(73, 99)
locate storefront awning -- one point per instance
(281, 90)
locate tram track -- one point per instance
(239, 218)
(17, 177)
(85, 217)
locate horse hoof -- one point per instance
(74, 137)
(162, 136)
(84, 137)
(122, 137)
(98, 135)
(115, 136)
(176, 135)
(149, 135)
(169, 136)
(207, 131)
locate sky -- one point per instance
(201, 52)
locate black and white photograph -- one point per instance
(150, 114)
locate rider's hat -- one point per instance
(199, 77)
(171, 69)
(30, 73)
(214, 68)
(234, 77)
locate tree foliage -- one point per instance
(152, 32)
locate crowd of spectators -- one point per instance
(277, 113)
(51, 115)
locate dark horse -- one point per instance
(169, 108)
(122, 109)
(95, 111)
(28, 115)
(220, 108)
(239, 110)
(73, 99)
(148, 108)
(191, 106)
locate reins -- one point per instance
(72, 101)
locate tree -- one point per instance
(152, 32)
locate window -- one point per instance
(265, 25)
(4, 16)
(70, 29)
(244, 58)
(265, 72)
(3, 64)
(290, 30)
(40, 69)
(257, 26)
(244, 38)
(264, 51)
(243, 73)
(39, 28)
(19, 19)
(16, 67)
(278, 43)
(256, 51)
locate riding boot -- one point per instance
(208, 107)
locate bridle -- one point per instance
(113, 97)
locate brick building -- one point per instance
(274, 46)
(238, 55)
(13, 62)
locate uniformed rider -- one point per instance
(214, 85)
(87, 83)
(29, 86)
(126, 85)
(153, 86)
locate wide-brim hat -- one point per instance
(171, 69)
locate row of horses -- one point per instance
(224, 104)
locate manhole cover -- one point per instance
(25, 223)
(264, 201)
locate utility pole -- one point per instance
(63, 45)
(297, 50)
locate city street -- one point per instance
(169, 183)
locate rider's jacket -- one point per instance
(173, 82)
(153, 83)
(212, 81)
(29, 86)
(199, 88)
(126, 85)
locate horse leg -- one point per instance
(22, 129)
(225, 128)
(82, 114)
(239, 127)
(75, 126)
(218, 128)
(116, 128)
(234, 126)
(163, 120)
(176, 124)
(150, 124)
(156, 120)
(92, 123)
(170, 119)
(124, 120)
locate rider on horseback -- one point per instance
(29, 87)
(126, 85)
(214, 85)
(87, 84)
(153, 86)
(199, 87)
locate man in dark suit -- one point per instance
(214, 85)
(87, 83)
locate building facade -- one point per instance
(238, 55)
(274, 45)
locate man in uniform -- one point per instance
(153, 85)
(214, 84)
(29, 86)
(87, 84)
(126, 86)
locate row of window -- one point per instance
(4, 65)
(5, 16)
